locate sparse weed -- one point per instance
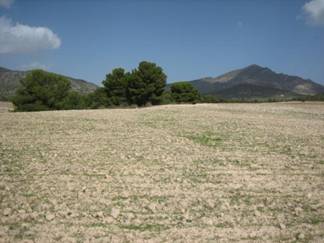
(145, 227)
(207, 139)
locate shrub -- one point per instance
(209, 99)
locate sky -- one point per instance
(189, 39)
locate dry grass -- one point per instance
(184, 173)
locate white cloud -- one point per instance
(315, 11)
(6, 3)
(34, 65)
(19, 38)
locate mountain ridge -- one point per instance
(251, 82)
(255, 77)
(10, 82)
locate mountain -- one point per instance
(251, 91)
(256, 82)
(10, 81)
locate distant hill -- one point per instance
(256, 82)
(10, 81)
(251, 91)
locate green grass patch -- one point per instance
(159, 199)
(195, 176)
(315, 219)
(224, 225)
(207, 139)
(99, 225)
(145, 227)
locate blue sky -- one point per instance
(189, 39)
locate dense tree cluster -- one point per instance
(42, 91)
(145, 85)
(141, 87)
(183, 92)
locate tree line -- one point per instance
(143, 86)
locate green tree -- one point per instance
(146, 84)
(116, 85)
(184, 92)
(166, 98)
(73, 101)
(97, 99)
(41, 90)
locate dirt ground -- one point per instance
(177, 173)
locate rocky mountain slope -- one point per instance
(255, 81)
(10, 81)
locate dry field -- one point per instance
(178, 173)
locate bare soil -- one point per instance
(178, 173)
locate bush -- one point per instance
(184, 92)
(41, 90)
(209, 99)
